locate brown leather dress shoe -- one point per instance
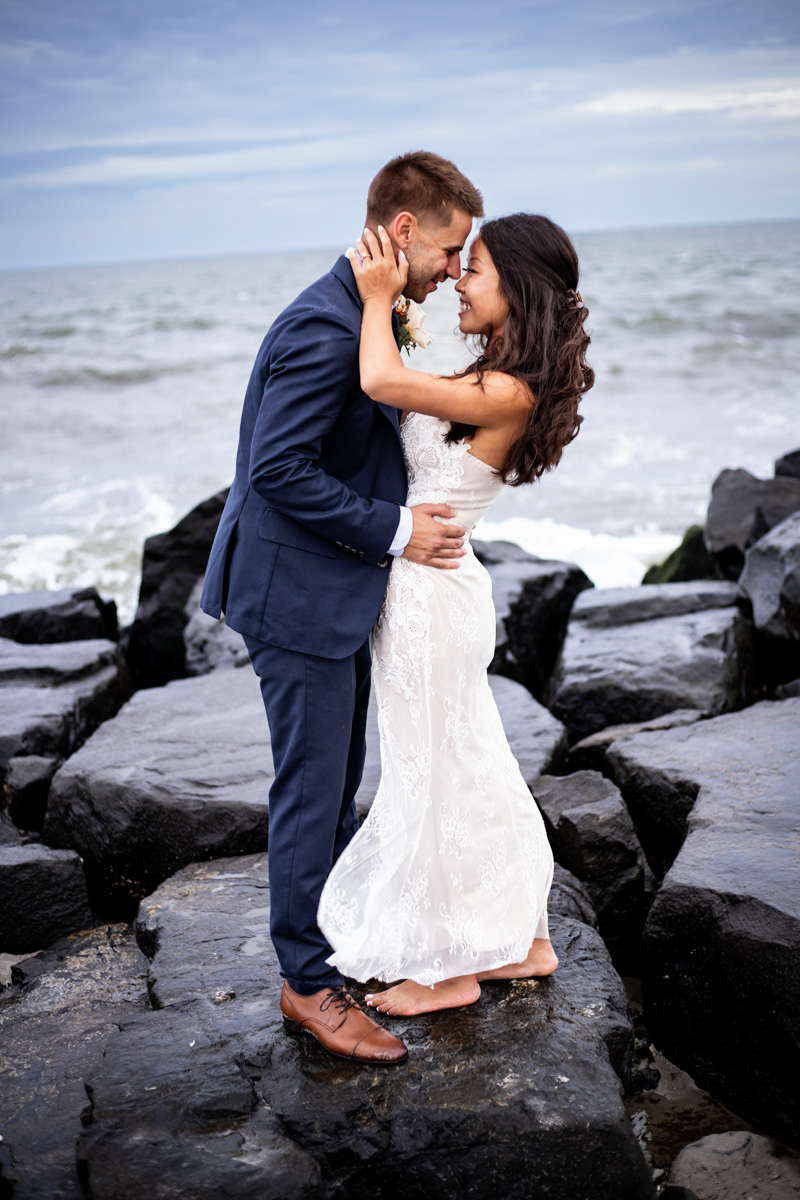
(339, 1024)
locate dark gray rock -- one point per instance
(690, 560)
(771, 579)
(172, 565)
(592, 835)
(722, 940)
(182, 773)
(569, 898)
(26, 787)
(742, 509)
(632, 654)
(53, 696)
(533, 598)
(44, 896)
(737, 1165)
(210, 645)
(69, 615)
(589, 753)
(172, 1115)
(54, 1026)
(537, 740)
(512, 1096)
(789, 464)
(786, 690)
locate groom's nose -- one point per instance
(454, 266)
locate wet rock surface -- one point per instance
(690, 560)
(722, 940)
(210, 645)
(533, 598)
(771, 579)
(744, 508)
(26, 787)
(495, 1099)
(173, 563)
(737, 1165)
(68, 615)
(182, 773)
(788, 464)
(53, 696)
(54, 1026)
(588, 754)
(632, 654)
(44, 896)
(592, 835)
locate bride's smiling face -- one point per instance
(484, 309)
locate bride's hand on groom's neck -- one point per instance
(379, 274)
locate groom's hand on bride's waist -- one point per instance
(432, 543)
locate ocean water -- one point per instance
(122, 385)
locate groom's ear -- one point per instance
(402, 229)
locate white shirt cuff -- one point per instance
(405, 528)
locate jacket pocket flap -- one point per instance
(276, 527)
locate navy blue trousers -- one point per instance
(317, 714)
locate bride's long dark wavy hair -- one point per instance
(543, 343)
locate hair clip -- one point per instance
(576, 296)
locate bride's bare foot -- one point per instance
(541, 960)
(408, 998)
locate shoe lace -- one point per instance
(339, 999)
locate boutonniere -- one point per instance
(411, 318)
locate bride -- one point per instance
(446, 882)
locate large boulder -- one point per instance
(533, 598)
(26, 787)
(537, 740)
(55, 1022)
(182, 773)
(771, 579)
(68, 615)
(52, 696)
(722, 940)
(589, 753)
(744, 508)
(516, 1095)
(737, 1165)
(632, 654)
(690, 560)
(44, 896)
(592, 835)
(788, 464)
(172, 565)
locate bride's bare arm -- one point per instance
(501, 400)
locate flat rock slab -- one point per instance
(533, 598)
(68, 615)
(588, 754)
(44, 896)
(722, 941)
(632, 654)
(514, 1093)
(592, 835)
(182, 773)
(54, 1026)
(53, 696)
(737, 1165)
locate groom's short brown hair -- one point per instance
(424, 184)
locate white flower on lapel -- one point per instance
(416, 319)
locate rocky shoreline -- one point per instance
(658, 728)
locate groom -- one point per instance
(299, 567)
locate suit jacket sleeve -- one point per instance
(312, 369)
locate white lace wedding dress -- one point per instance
(450, 872)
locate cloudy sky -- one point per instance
(157, 129)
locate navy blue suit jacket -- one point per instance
(300, 556)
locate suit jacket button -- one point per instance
(384, 562)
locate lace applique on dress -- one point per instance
(451, 870)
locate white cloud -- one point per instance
(771, 103)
